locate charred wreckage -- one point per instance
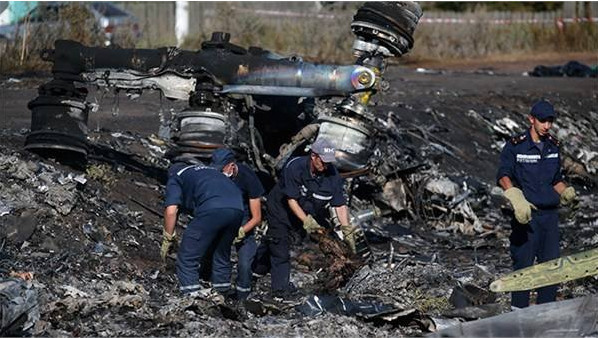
(268, 108)
(264, 106)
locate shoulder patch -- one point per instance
(518, 139)
(553, 139)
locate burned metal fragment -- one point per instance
(19, 308)
(555, 271)
(571, 318)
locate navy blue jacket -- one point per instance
(533, 171)
(198, 188)
(312, 192)
(250, 186)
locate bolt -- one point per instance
(364, 78)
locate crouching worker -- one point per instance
(252, 190)
(216, 205)
(309, 184)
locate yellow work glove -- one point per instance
(310, 224)
(521, 207)
(167, 240)
(240, 235)
(349, 234)
(568, 195)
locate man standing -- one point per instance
(252, 190)
(530, 174)
(308, 184)
(217, 209)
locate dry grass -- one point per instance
(326, 40)
(482, 40)
(306, 37)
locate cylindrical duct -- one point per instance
(352, 139)
(59, 120)
(200, 132)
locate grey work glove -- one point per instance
(349, 234)
(167, 240)
(240, 235)
(521, 206)
(310, 224)
(568, 195)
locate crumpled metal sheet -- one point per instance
(443, 186)
(568, 318)
(19, 308)
(122, 294)
(368, 310)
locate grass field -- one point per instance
(435, 44)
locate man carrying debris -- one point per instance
(530, 174)
(308, 184)
(217, 208)
(247, 181)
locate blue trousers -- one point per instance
(246, 252)
(538, 239)
(217, 227)
(273, 255)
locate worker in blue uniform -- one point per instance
(217, 208)
(252, 190)
(307, 186)
(530, 174)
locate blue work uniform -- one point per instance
(534, 168)
(217, 208)
(314, 194)
(251, 188)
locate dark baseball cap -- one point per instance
(325, 149)
(222, 157)
(542, 110)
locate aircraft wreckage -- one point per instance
(267, 108)
(264, 106)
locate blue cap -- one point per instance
(542, 110)
(222, 157)
(325, 149)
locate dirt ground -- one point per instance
(452, 100)
(512, 63)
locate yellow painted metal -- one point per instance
(555, 271)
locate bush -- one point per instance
(74, 23)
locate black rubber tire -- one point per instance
(399, 17)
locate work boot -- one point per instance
(290, 294)
(229, 294)
(242, 295)
(256, 275)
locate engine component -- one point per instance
(59, 120)
(200, 132)
(352, 138)
(265, 106)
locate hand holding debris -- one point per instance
(521, 206)
(240, 235)
(167, 240)
(568, 195)
(311, 225)
(349, 235)
(349, 232)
